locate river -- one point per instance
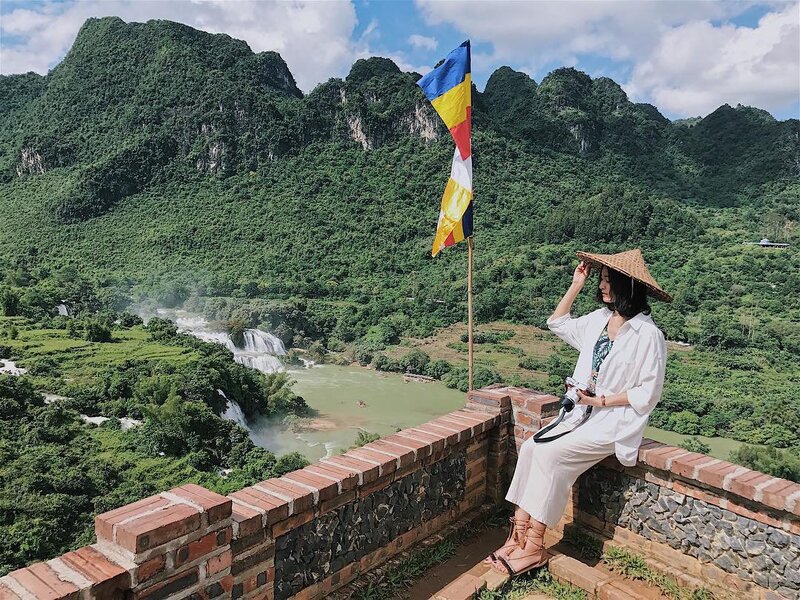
(347, 400)
(350, 399)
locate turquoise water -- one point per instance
(349, 399)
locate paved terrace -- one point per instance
(309, 533)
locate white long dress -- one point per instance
(546, 472)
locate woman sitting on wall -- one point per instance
(622, 360)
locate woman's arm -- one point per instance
(620, 399)
(560, 322)
(579, 278)
(646, 395)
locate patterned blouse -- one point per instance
(601, 349)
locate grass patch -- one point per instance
(82, 361)
(630, 565)
(403, 574)
(542, 582)
(633, 566)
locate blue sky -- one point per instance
(686, 57)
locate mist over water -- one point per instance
(346, 399)
(260, 350)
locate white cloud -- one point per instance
(314, 38)
(697, 67)
(680, 61)
(422, 42)
(548, 30)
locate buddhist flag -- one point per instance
(449, 88)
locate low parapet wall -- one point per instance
(708, 522)
(302, 535)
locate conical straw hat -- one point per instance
(631, 263)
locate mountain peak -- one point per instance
(365, 69)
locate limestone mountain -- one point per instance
(130, 97)
(152, 124)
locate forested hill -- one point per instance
(159, 155)
(131, 98)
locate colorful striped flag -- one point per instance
(449, 88)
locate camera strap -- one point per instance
(539, 438)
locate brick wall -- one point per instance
(706, 521)
(302, 535)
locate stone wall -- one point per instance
(302, 535)
(708, 522)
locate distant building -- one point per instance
(765, 243)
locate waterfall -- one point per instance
(260, 351)
(233, 412)
(63, 311)
(9, 367)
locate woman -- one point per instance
(622, 359)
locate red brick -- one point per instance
(150, 568)
(170, 587)
(43, 582)
(387, 464)
(437, 440)
(776, 493)
(376, 485)
(685, 465)
(421, 448)
(451, 438)
(346, 477)
(216, 506)
(647, 450)
(467, 418)
(6, 593)
(226, 583)
(714, 475)
(275, 508)
(745, 484)
(96, 567)
(325, 487)
(566, 568)
(617, 589)
(247, 521)
(663, 457)
(105, 522)
(543, 406)
(406, 455)
(292, 522)
(151, 531)
(465, 587)
(302, 498)
(464, 430)
(368, 472)
(205, 545)
(498, 398)
(219, 563)
(335, 503)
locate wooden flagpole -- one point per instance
(469, 306)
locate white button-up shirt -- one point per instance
(636, 364)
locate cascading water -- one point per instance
(233, 412)
(260, 350)
(63, 311)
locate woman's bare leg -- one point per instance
(509, 546)
(533, 552)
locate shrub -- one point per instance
(693, 444)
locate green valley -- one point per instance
(162, 166)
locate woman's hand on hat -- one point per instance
(581, 274)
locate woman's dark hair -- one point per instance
(630, 295)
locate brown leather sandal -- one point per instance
(533, 540)
(516, 535)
